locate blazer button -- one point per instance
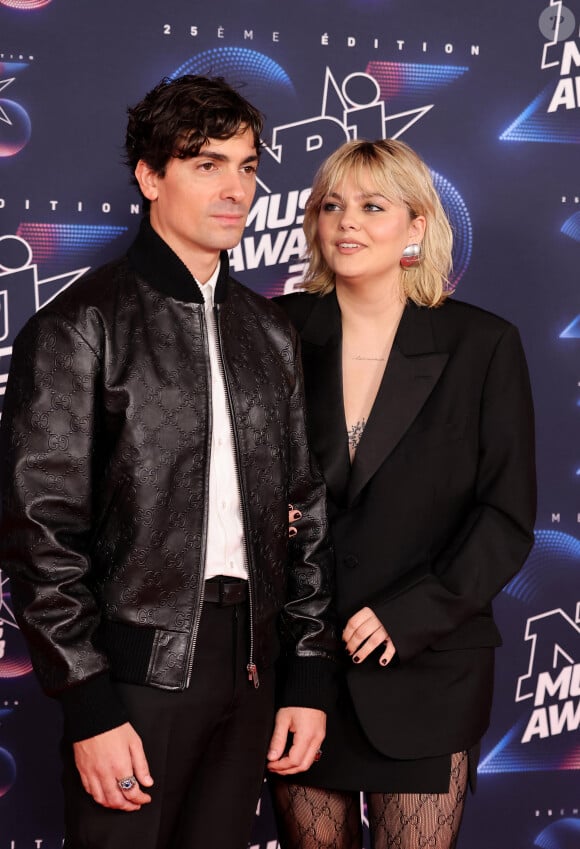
(350, 561)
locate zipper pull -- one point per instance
(253, 674)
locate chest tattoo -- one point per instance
(355, 432)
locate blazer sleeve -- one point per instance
(307, 620)
(47, 461)
(495, 536)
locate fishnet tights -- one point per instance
(313, 818)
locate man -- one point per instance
(153, 436)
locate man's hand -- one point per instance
(363, 633)
(308, 726)
(104, 760)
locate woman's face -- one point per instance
(362, 234)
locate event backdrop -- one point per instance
(489, 94)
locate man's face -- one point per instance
(199, 207)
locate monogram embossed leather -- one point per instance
(105, 441)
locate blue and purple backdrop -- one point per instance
(489, 94)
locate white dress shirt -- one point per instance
(225, 552)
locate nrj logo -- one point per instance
(553, 677)
(351, 108)
(558, 24)
(382, 101)
(551, 116)
(22, 292)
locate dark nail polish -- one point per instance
(356, 658)
(384, 661)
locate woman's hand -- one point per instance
(293, 516)
(363, 633)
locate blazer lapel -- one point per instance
(413, 369)
(321, 355)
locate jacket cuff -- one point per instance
(308, 682)
(91, 708)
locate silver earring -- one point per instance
(411, 256)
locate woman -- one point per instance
(420, 415)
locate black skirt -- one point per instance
(350, 763)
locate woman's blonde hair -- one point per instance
(401, 176)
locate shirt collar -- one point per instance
(208, 288)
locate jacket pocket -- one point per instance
(440, 433)
(478, 632)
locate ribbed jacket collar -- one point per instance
(161, 268)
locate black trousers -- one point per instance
(206, 749)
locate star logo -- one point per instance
(3, 115)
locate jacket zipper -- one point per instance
(251, 667)
(198, 608)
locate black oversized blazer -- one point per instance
(435, 515)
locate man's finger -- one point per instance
(133, 798)
(140, 765)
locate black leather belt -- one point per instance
(225, 591)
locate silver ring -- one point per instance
(127, 783)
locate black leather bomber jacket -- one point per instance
(105, 450)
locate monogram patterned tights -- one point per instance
(313, 818)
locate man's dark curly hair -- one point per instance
(177, 117)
